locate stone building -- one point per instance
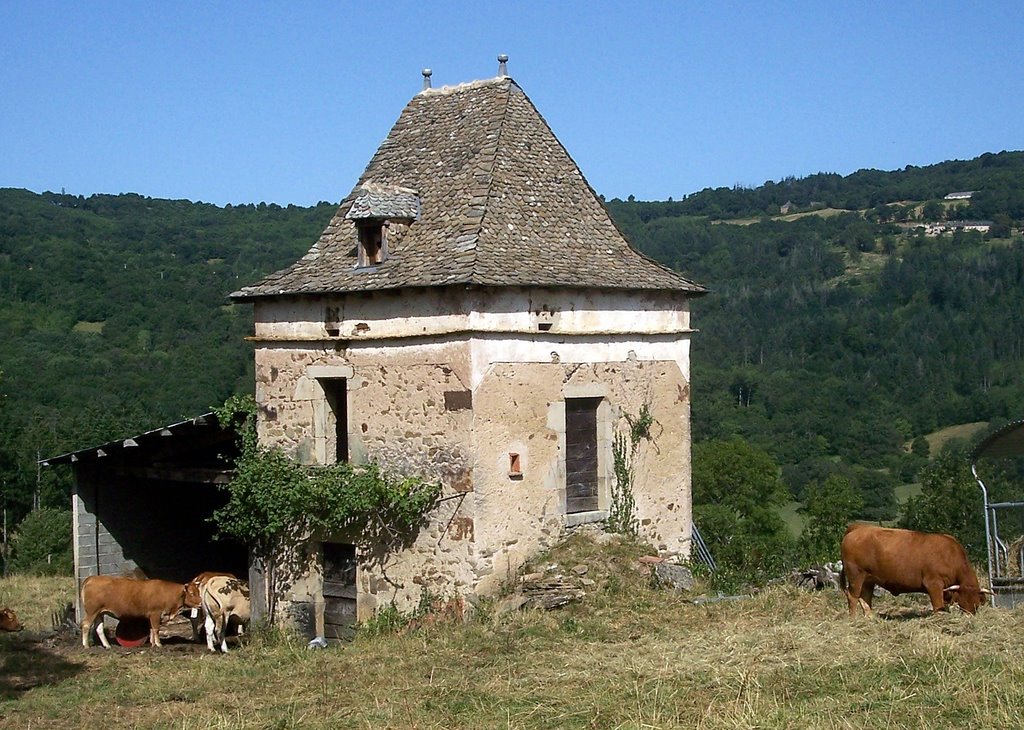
(471, 314)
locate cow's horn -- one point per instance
(954, 587)
(987, 590)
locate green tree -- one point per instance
(933, 210)
(949, 502)
(42, 544)
(734, 473)
(736, 491)
(1001, 226)
(829, 509)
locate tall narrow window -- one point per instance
(371, 243)
(336, 391)
(581, 454)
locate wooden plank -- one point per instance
(335, 589)
(341, 613)
(581, 504)
(344, 633)
(581, 454)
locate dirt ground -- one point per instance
(30, 659)
(175, 636)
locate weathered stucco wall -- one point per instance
(373, 316)
(448, 385)
(520, 408)
(408, 410)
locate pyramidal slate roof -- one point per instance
(494, 199)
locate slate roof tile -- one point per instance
(498, 202)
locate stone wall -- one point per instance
(445, 394)
(409, 411)
(520, 408)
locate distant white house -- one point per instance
(937, 229)
(965, 195)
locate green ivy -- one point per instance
(622, 510)
(275, 504)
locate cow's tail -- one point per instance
(843, 585)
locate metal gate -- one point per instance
(1003, 520)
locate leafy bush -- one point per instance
(736, 489)
(42, 544)
(830, 507)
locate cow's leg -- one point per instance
(101, 632)
(935, 594)
(193, 618)
(854, 591)
(154, 629)
(211, 631)
(222, 625)
(87, 626)
(867, 595)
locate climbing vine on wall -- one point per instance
(622, 510)
(275, 504)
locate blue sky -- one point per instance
(286, 102)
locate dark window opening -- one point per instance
(371, 243)
(581, 454)
(336, 391)
(332, 321)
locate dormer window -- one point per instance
(375, 209)
(372, 242)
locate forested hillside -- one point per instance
(832, 337)
(115, 317)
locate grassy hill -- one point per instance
(627, 656)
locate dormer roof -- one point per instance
(491, 198)
(384, 202)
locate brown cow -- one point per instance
(224, 598)
(193, 597)
(9, 621)
(121, 597)
(904, 561)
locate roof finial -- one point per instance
(502, 69)
(426, 78)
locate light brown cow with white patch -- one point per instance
(224, 598)
(193, 597)
(9, 620)
(128, 597)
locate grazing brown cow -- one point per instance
(224, 598)
(193, 597)
(123, 597)
(9, 621)
(904, 561)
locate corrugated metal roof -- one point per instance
(1007, 441)
(206, 420)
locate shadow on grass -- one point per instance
(905, 613)
(26, 662)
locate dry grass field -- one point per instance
(627, 656)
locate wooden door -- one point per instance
(339, 590)
(581, 454)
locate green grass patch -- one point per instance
(790, 513)
(627, 656)
(904, 492)
(89, 328)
